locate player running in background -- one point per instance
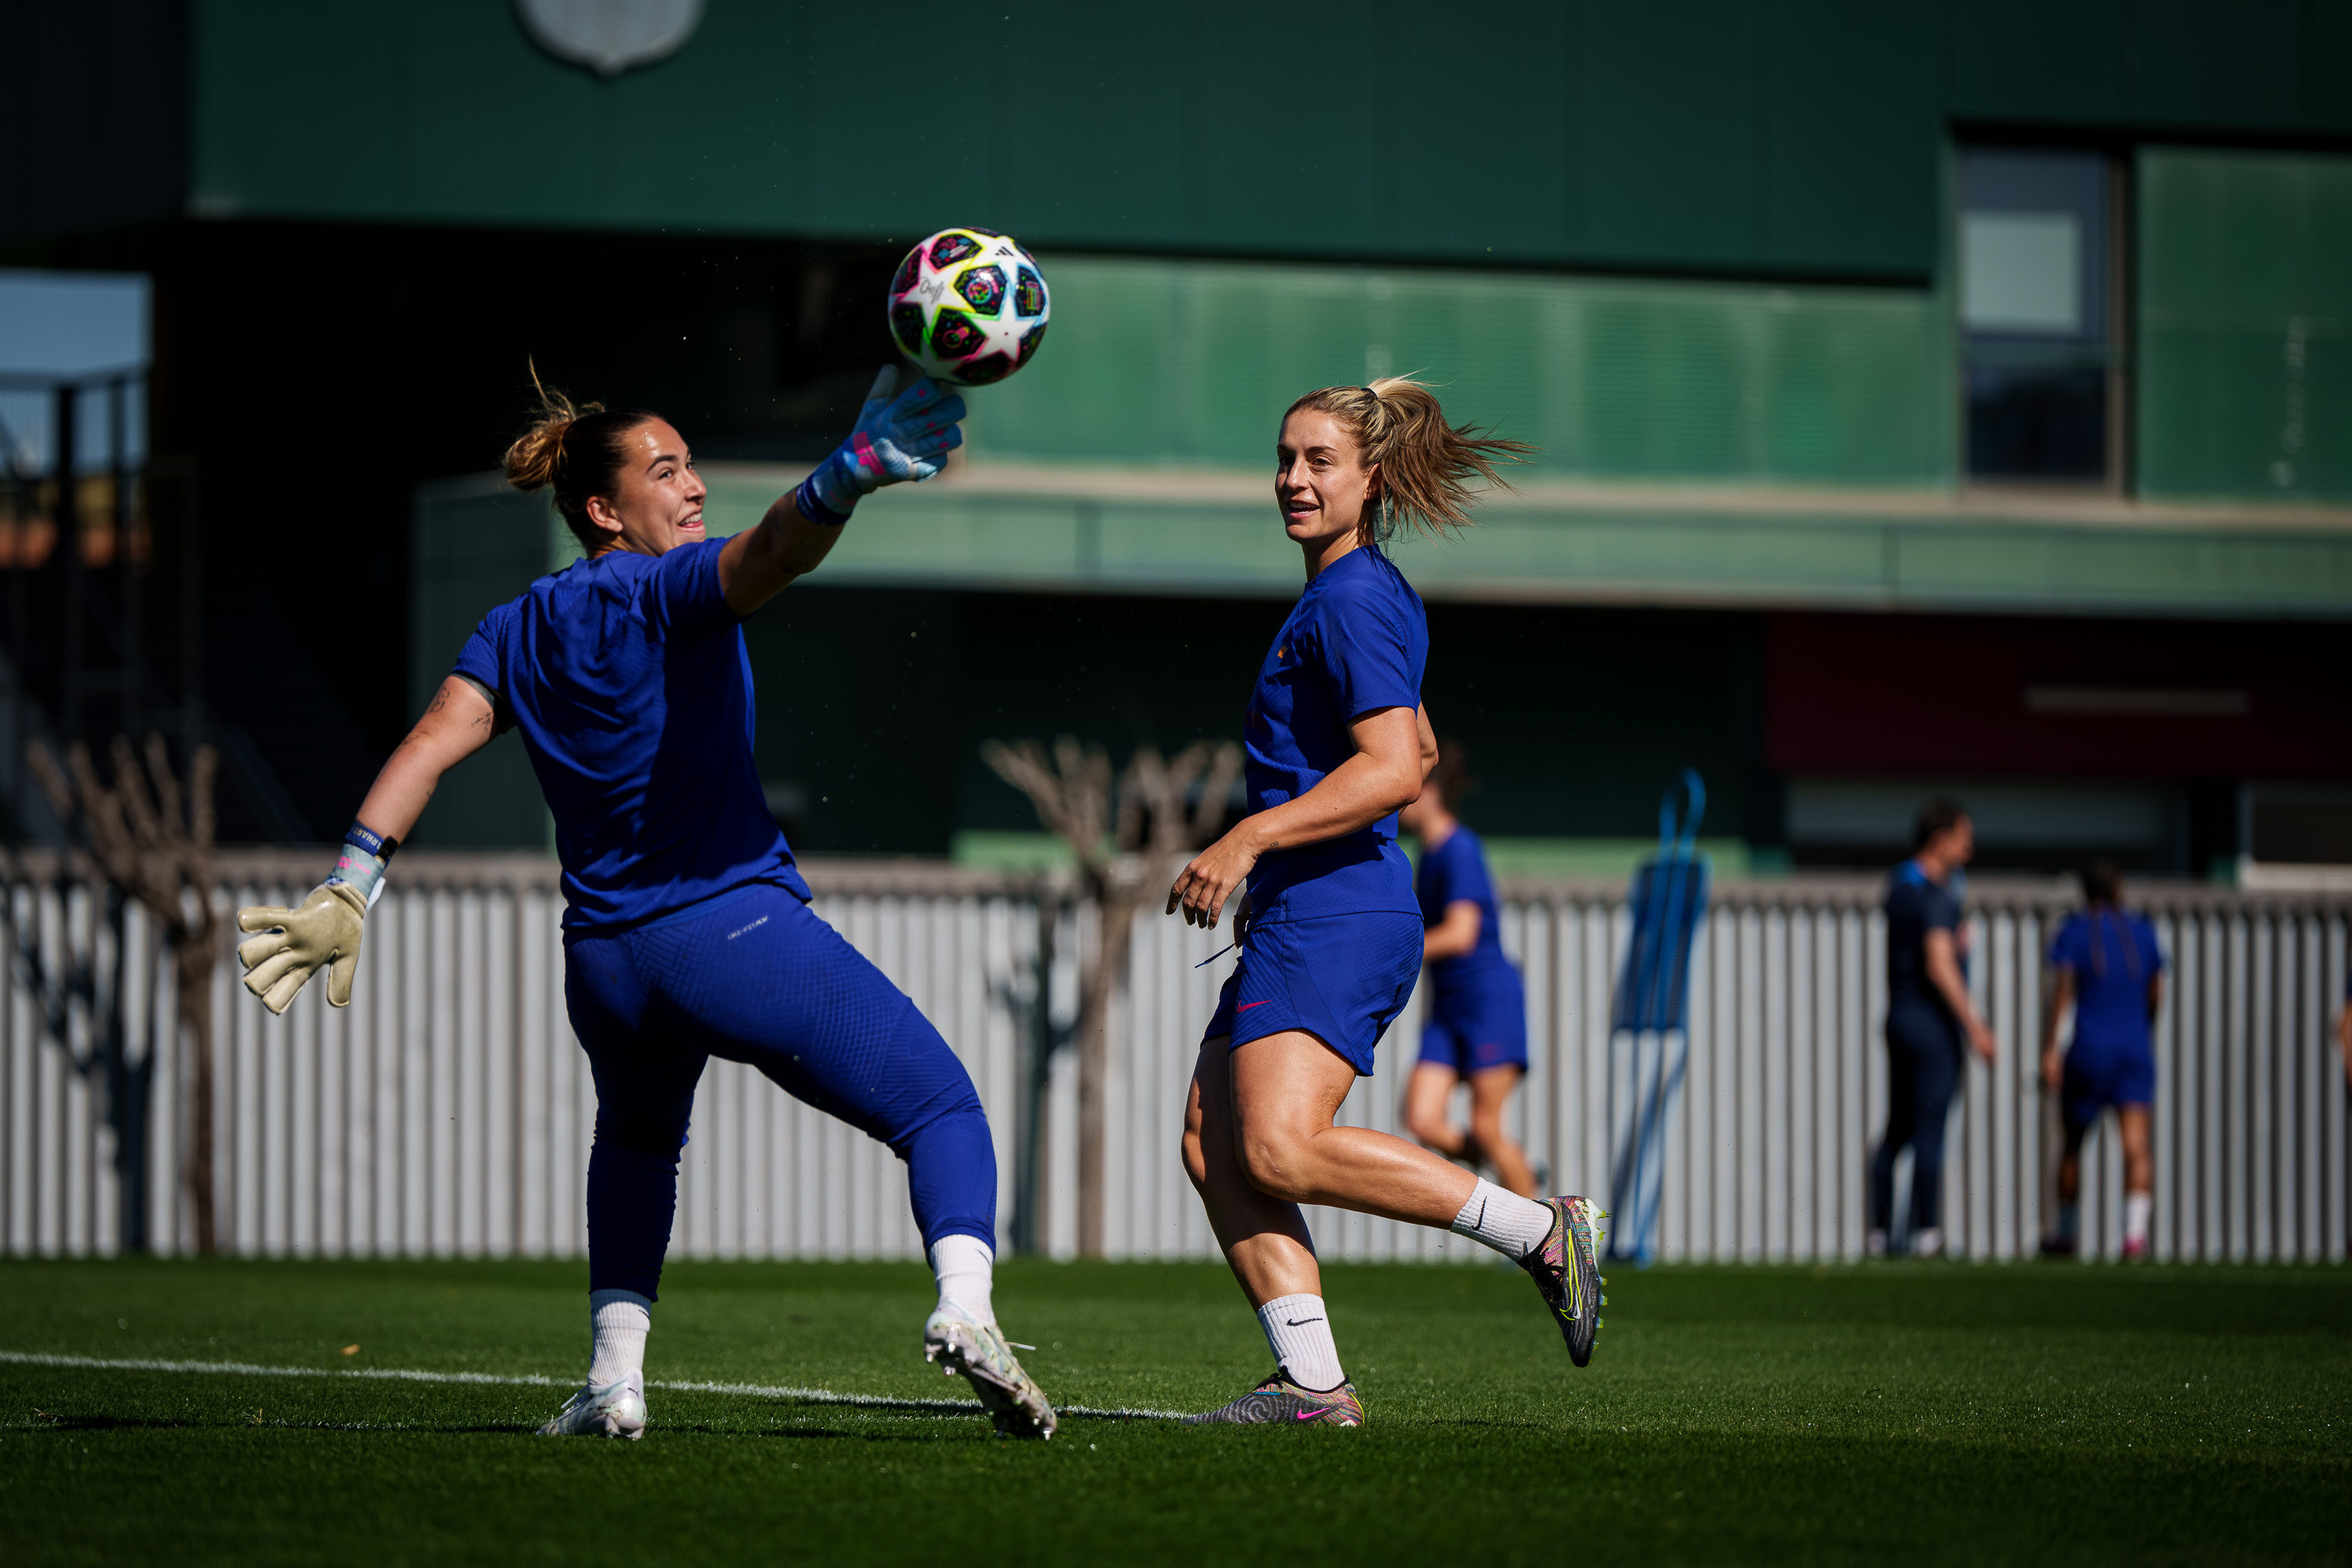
(1337, 742)
(687, 927)
(1477, 1030)
(2109, 968)
(1929, 1016)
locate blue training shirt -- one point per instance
(628, 678)
(1454, 871)
(2112, 955)
(1915, 905)
(1356, 641)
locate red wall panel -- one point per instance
(1861, 693)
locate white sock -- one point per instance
(2138, 1207)
(1928, 1243)
(1300, 1330)
(1511, 1225)
(620, 1319)
(966, 1269)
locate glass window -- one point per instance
(2036, 315)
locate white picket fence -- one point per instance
(447, 1111)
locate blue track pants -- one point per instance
(756, 977)
(1923, 1062)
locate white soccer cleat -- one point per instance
(978, 1350)
(616, 1410)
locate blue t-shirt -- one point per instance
(1356, 641)
(2112, 955)
(1454, 871)
(628, 678)
(1916, 906)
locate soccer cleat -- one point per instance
(616, 1410)
(1281, 1400)
(980, 1352)
(1567, 1270)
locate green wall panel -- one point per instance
(2197, 65)
(1192, 364)
(2164, 66)
(2037, 60)
(1791, 137)
(2246, 325)
(1584, 133)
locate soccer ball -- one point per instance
(969, 306)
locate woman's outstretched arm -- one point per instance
(459, 722)
(899, 436)
(1385, 773)
(286, 947)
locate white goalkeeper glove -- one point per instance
(295, 944)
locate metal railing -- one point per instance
(448, 1111)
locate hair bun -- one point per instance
(536, 459)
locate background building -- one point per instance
(1929, 395)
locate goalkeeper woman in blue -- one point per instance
(1337, 741)
(686, 927)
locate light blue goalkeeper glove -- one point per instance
(901, 437)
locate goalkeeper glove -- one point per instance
(901, 437)
(295, 944)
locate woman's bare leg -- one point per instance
(2134, 1122)
(1490, 1092)
(1264, 1239)
(1271, 1146)
(1426, 1096)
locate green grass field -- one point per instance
(1897, 1413)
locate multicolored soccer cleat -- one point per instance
(979, 1351)
(1567, 1269)
(616, 1410)
(1280, 1399)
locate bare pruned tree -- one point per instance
(1126, 860)
(156, 845)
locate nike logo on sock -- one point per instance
(1301, 1322)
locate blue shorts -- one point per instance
(2099, 1076)
(1485, 1029)
(1341, 978)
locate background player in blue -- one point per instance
(1928, 1017)
(1337, 742)
(1476, 1031)
(2109, 968)
(687, 930)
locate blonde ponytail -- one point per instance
(1425, 464)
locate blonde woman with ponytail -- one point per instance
(1338, 741)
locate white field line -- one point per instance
(535, 1379)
